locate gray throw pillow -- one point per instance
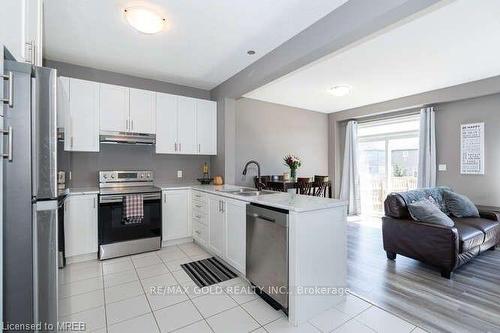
(425, 211)
(459, 205)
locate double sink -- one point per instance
(246, 192)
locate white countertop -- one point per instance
(283, 200)
(81, 190)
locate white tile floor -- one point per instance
(119, 295)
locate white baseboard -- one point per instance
(177, 241)
(81, 258)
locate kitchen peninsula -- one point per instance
(316, 239)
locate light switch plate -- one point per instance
(179, 173)
(442, 167)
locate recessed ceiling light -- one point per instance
(341, 90)
(250, 52)
(144, 20)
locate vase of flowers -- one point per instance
(293, 162)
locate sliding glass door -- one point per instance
(388, 160)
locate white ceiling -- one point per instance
(205, 43)
(453, 44)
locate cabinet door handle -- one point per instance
(164, 198)
(180, 147)
(95, 203)
(222, 205)
(175, 146)
(9, 100)
(71, 142)
(197, 232)
(9, 134)
(132, 124)
(126, 124)
(199, 147)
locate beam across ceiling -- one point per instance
(346, 25)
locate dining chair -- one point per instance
(321, 184)
(304, 185)
(262, 182)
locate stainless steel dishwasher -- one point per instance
(267, 251)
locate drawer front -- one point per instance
(200, 217)
(200, 232)
(199, 197)
(200, 206)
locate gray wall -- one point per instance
(85, 166)
(482, 189)
(98, 75)
(266, 132)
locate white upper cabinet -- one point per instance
(142, 111)
(206, 127)
(81, 130)
(166, 123)
(187, 126)
(62, 100)
(114, 108)
(21, 29)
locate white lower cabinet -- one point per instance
(80, 224)
(226, 219)
(176, 213)
(217, 225)
(235, 215)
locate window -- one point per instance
(388, 160)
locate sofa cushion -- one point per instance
(459, 205)
(395, 205)
(469, 236)
(426, 211)
(490, 228)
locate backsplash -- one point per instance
(85, 166)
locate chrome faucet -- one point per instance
(259, 183)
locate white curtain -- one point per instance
(349, 187)
(427, 149)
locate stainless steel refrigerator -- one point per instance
(30, 197)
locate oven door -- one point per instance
(113, 230)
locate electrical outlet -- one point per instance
(442, 167)
(179, 173)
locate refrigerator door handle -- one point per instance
(9, 100)
(9, 133)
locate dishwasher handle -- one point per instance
(262, 217)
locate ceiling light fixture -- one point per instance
(144, 20)
(341, 90)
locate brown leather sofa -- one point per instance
(444, 247)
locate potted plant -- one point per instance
(293, 162)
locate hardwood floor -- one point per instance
(469, 302)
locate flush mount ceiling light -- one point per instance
(340, 90)
(144, 20)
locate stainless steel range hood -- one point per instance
(129, 138)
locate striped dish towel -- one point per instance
(133, 209)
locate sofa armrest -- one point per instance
(490, 215)
(431, 243)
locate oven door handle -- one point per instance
(119, 197)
